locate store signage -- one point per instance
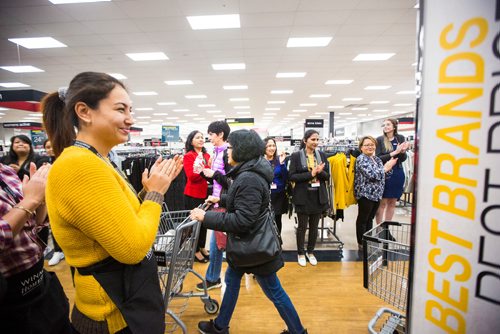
(314, 123)
(340, 132)
(10, 125)
(38, 137)
(295, 142)
(240, 121)
(455, 285)
(281, 138)
(169, 133)
(22, 99)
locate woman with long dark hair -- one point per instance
(195, 192)
(309, 171)
(21, 154)
(279, 200)
(104, 228)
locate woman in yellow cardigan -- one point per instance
(104, 229)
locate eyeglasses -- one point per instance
(368, 145)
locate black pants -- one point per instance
(277, 218)
(191, 203)
(366, 212)
(312, 220)
(43, 234)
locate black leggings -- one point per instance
(277, 218)
(191, 203)
(366, 212)
(304, 220)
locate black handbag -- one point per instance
(257, 247)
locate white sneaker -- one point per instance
(56, 258)
(302, 261)
(312, 259)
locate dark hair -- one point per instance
(246, 144)
(189, 145)
(372, 139)
(266, 140)
(59, 117)
(218, 127)
(308, 134)
(12, 155)
(45, 142)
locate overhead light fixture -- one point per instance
(377, 87)
(379, 102)
(13, 84)
(22, 69)
(335, 107)
(345, 113)
(178, 82)
(406, 92)
(166, 103)
(291, 74)
(239, 99)
(417, 5)
(171, 117)
(145, 93)
(308, 104)
(308, 42)
(199, 119)
(180, 110)
(373, 56)
(143, 117)
(195, 96)
(207, 105)
(160, 114)
(212, 111)
(285, 91)
(224, 67)
(143, 109)
(235, 87)
(380, 110)
(400, 112)
(360, 108)
(156, 120)
(299, 110)
(60, 2)
(243, 112)
(321, 113)
(338, 82)
(241, 107)
(402, 104)
(276, 102)
(204, 22)
(320, 95)
(145, 56)
(38, 42)
(118, 76)
(352, 99)
(269, 114)
(270, 109)
(191, 115)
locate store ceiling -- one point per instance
(98, 36)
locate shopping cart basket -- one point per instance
(174, 248)
(386, 255)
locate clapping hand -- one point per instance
(162, 173)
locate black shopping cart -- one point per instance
(386, 250)
(174, 248)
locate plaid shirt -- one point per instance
(24, 250)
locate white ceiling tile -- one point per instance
(267, 19)
(38, 14)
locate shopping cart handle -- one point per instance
(205, 206)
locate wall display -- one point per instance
(169, 133)
(38, 137)
(455, 285)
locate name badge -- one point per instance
(315, 184)
(274, 186)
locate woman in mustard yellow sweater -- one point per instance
(104, 229)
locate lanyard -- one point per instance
(79, 143)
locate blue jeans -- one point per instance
(272, 288)
(215, 265)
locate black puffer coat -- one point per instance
(246, 200)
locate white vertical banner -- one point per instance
(456, 269)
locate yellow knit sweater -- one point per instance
(94, 214)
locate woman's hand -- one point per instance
(318, 169)
(208, 172)
(197, 214)
(162, 173)
(212, 200)
(14, 167)
(389, 164)
(34, 185)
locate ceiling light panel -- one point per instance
(22, 69)
(195, 96)
(239, 99)
(335, 107)
(166, 103)
(377, 87)
(204, 22)
(308, 104)
(320, 96)
(352, 99)
(148, 93)
(178, 82)
(373, 56)
(270, 109)
(291, 74)
(143, 109)
(338, 82)
(207, 105)
(406, 92)
(241, 107)
(283, 91)
(145, 56)
(308, 42)
(38, 42)
(118, 76)
(276, 102)
(225, 67)
(13, 84)
(235, 87)
(379, 102)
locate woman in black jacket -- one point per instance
(246, 201)
(309, 171)
(20, 155)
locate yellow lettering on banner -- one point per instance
(474, 58)
(444, 295)
(469, 95)
(437, 233)
(448, 263)
(454, 176)
(464, 141)
(451, 206)
(443, 315)
(477, 22)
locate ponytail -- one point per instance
(58, 123)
